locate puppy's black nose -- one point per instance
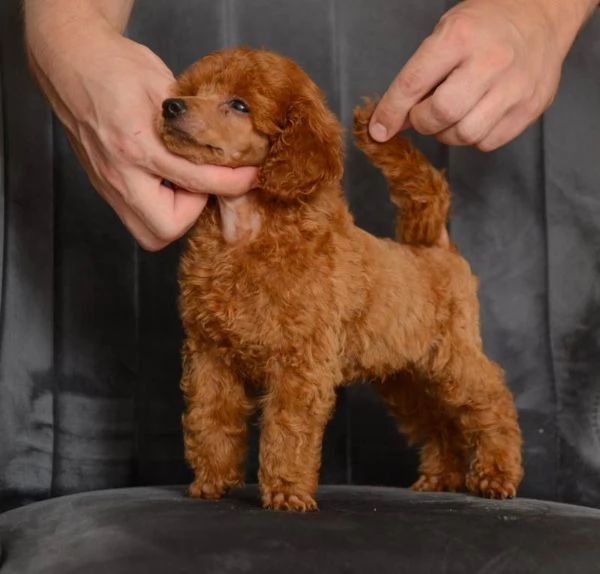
(173, 108)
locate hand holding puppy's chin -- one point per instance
(117, 144)
(222, 180)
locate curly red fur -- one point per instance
(418, 189)
(310, 302)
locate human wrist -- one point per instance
(53, 33)
(567, 17)
(583, 9)
(46, 15)
(64, 27)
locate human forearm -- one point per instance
(61, 36)
(588, 7)
(567, 17)
(42, 15)
(60, 30)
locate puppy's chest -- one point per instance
(240, 313)
(256, 306)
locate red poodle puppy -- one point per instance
(283, 297)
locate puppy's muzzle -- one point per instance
(173, 108)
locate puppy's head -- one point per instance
(252, 107)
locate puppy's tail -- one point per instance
(418, 189)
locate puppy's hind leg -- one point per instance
(442, 456)
(214, 423)
(472, 388)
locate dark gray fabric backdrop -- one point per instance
(89, 332)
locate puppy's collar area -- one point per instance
(240, 220)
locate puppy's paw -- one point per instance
(211, 490)
(296, 502)
(493, 484)
(450, 482)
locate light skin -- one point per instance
(108, 91)
(489, 69)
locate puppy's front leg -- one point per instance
(295, 412)
(214, 423)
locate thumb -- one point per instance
(208, 179)
(187, 208)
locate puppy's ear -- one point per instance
(306, 154)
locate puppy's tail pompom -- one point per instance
(417, 188)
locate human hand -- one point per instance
(489, 69)
(108, 91)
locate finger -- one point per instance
(210, 179)
(187, 207)
(134, 224)
(136, 227)
(452, 100)
(154, 227)
(480, 121)
(431, 63)
(168, 214)
(510, 127)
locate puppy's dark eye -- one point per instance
(239, 106)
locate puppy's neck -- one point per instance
(240, 219)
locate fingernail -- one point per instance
(378, 132)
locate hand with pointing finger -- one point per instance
(489, 69)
